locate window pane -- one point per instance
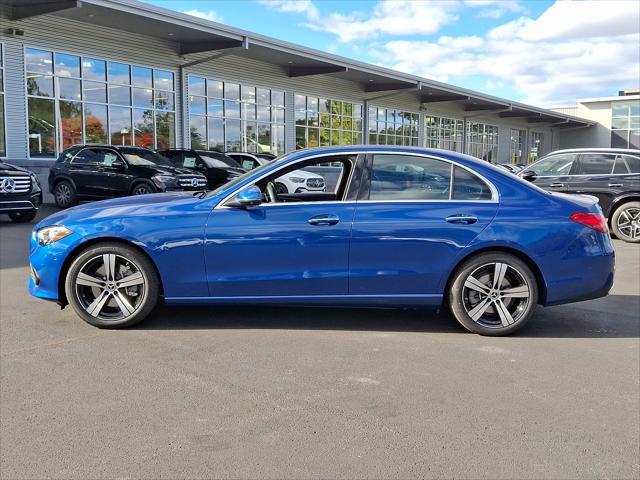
(620, 110)
(39, 61)
(197, 105)
(250, 137)
(248, 94)
(554, 165)
(232, 109)
(214, 89)
(120, 125)
(93, 69)
(163, 80)
(143, 128)
(262, 96)
(119, 73)
(165, 101)
(215, 107)
(596, 164)
(404, 177)
(95, 92)
(301, 139)
(3, 147)
(216, 134)
(300, 102)
(277, 99)
(619, 138)
(314, 138)
(620, 122)
(264, 113)
(67, 65)
(232, 128)
(69, 89)
(278, 115)
(633, 163)
(165, 130)
(70, 123)
(141, 77)
(248, 111)
(620, 167)
(42, 142)
(264, 138)
(142, 97)
(40, 85)
(231, 91)
(467, 186)
(197, 86)
(95, 121)
(634, 138)
(119, 95)
(198, 130)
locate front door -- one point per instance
(553, 172)
(409, 229)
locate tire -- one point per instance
(480, 307)
(103, 303)
(65, 194)
(281, 188)
(23, 217)
(142, 188)
(625, 222)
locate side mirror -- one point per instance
(249, 197)
(529, 175)
(118, 165)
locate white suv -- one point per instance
(297, 181)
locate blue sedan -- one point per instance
(393, 226)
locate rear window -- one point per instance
(633, 163)
(596, 164)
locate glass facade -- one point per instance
(536, 146)
(625, 124)
(482, 141)
(322, 122)
(3, 142)
(227, 116)
(444, 133)
(516, 148)
(392, 127)
(74, 99)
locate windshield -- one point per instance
(218, 160)
(143, 157)
(555, 165)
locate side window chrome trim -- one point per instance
(495, 196)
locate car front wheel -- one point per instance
(493, 294)
(64, 194)
(112, 285)
(23, 216)
(625, 222)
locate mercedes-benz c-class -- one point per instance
(394, 227)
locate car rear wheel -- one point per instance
(493, 294)
(112, 286)
(281, 188)
(625, 222)
(24, 216)
(65, 194)
(142, 189)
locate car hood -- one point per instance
(9, 169)
(138, 205)
(303, 174)
(168, 170)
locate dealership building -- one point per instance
(125, 72)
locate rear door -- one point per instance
(596, 174)
(417, 214)
(83, 170)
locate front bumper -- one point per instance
(25, 202)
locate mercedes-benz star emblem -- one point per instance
(7, 185)
(194, 182)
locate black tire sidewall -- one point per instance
(23, 217)
(146, 267)
(614, 221)
(146, 185)
(72, 194)
(464, 270)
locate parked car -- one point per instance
(217, 167)
(484, 243)
(610, 174)
(20, 193)
(92, 172)
(295, 182)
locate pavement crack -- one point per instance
(52, 344)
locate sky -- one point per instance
(540, 52)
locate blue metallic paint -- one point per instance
(380, 253)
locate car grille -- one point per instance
(17, 184)
(192, 183)
(315, 182)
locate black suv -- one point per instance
(20, 193)
(217, 167)
(90, 172)
(611, 174)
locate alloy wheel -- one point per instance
(110, 287)
(629, 223)
(141, 190)
(63, 195)
(496, 295)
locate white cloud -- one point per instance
(496, 8)
(546, 67)
(209, 15)
(305, 7)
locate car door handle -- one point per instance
(464, 219)
(615, 185)
(323, 220)
(557, 185)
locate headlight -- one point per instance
(164, 181)
(49, 235)
(297, 179)
(34, 180)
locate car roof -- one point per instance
(106, 145)
(596, 150)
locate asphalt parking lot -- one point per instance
(325, 393)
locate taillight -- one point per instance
(595, 221)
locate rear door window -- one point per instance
(633, 163)
(596, 164)
(407, 177)
(467, 186)
(620, 167)
(553, 166)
